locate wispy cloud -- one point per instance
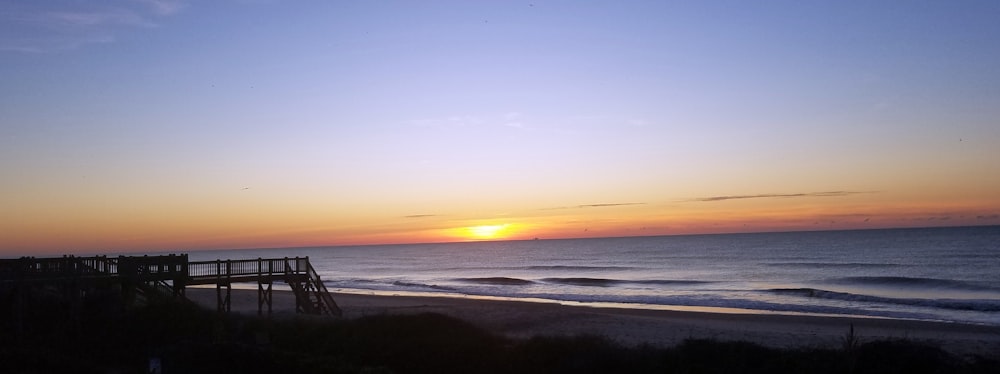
(606, 205)
(939, 218)
(97, 18)
(638, 122)
(449, 121)
(44, 45)
(511, 119)
(601, 205)
(43, 26)
(776, 196)
(420, 215)
(164, 7)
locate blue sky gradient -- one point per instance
(151, 124)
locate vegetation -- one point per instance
(186, 339)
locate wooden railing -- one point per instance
(175, 272)
(40, 269)
(30, 268)
(239, 268)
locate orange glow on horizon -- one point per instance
(278, 229)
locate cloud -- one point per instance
(164, 7)
(44, 45)
(638, 122)
(44, 27)
(606, 205)
(772, 196)
(420, 215)
(939, 218)
(86, 19)
(602, 205)
(447, 122)
(513, 120)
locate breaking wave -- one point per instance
(604, 282)
(500, 281)
(911, 282)
(981, 305)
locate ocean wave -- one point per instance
(421, 285)
(718, 302)
(575, 267)
(604, 282)
(697, 300)
(544, 268)
(670, 282)
(831, 264)
(502, 281)
(981, 305)
(912, 282)
(589, 282)
(508, 281)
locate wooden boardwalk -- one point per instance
(164, 277)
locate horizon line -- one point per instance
(546, 239)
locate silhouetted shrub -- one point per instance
(187, 339)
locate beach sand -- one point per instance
(632, 327)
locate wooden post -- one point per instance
(224, 302)
(128, 272)
(181, 277)
(20, 293)
(263, 295)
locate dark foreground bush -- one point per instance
(185, 339)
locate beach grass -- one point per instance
(187, 339)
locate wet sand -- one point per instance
(639, 326)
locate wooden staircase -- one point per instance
(311, 295)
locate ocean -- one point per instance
(940, 274)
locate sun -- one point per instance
(487, 231)
(492, 231)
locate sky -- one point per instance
(154, 125)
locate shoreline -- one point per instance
(634, 327)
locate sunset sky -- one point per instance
(150, 125)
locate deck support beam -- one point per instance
(264, 296)
(224, 302)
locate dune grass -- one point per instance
(187, 339)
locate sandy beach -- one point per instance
(633, 327)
